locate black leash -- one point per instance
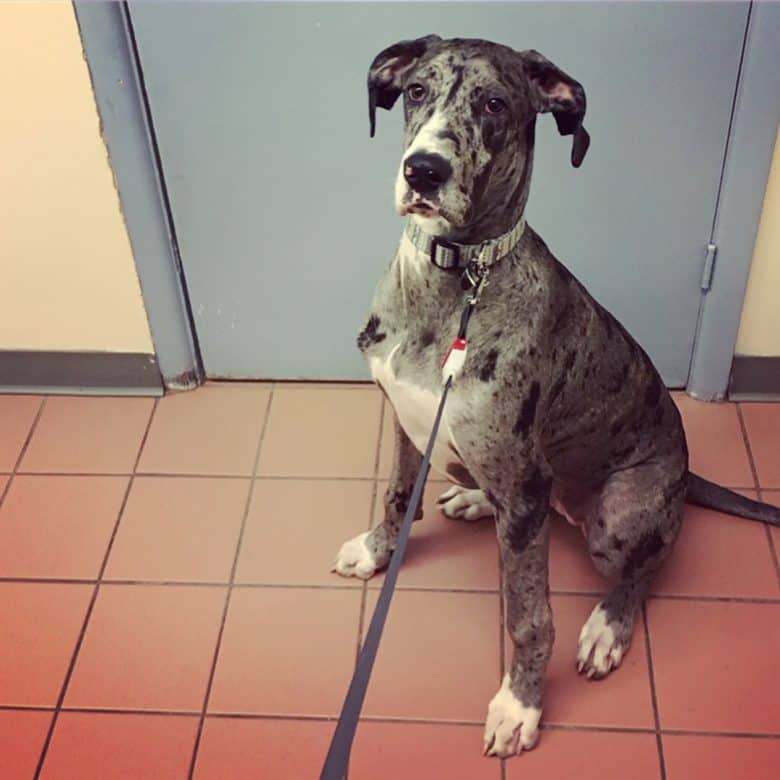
(335, 765)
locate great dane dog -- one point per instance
(557, 408)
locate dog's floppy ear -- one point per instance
(387, 71)
(552, 90)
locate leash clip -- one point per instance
(478, 280)
(476, 272)
(483, 282)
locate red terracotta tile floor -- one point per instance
(167, 608)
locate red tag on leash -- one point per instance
(454, 360)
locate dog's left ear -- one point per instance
(552, 90)
(387, 71)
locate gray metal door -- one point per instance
(283, 206)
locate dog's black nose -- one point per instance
(425, 173)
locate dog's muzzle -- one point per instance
(426, 173)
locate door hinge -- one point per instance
(709, 267)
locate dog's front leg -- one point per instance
(523, 534)
(370, 551)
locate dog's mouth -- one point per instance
(414, 203)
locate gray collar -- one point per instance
(450, 255)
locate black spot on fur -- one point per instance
(523, 527)
(653, 391)
(426, 338)
(619, 380)
(488, 370)
(399, 500)
(370, 334)
(615, 428)
(458, 71)
(618, 544)
(536, 486)
(563, 273)
(621, 455)
(527, 412)
(562, 319)
(557, 389)
(676, 487)
(646, 549)
(461, 474)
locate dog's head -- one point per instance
(470, 108)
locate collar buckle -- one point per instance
(448, 247)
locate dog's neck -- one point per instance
(508, 201)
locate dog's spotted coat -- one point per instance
(557, 405)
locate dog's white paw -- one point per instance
(354, 559)
(600, 650)
(460, 503)
(510, 727)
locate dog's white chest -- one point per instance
(416, 408)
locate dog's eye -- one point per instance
(495, 106)
(415, 92)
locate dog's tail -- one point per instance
(702, 492)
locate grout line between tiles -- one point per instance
(372, 510)
(598, 729)
(316, 384)
(112, 711)
(189, 475)
(501, 619)
(718, 599)
(757, 487)
(385, 719)
(93, 599)
(221, 632)
(352, 585)
(23, 450)
(434, 477)
(653, 694)
(433, 589)
(501, 635)
(720, 734)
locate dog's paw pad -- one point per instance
(600, 649)
(510, 727)
(460, 503)
(355, 559)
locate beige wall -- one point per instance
(759, 332)
(67, 276)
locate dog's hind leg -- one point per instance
(370, 551)
(632, 530)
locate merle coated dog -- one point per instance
(557, 408)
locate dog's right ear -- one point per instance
(387, 71)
